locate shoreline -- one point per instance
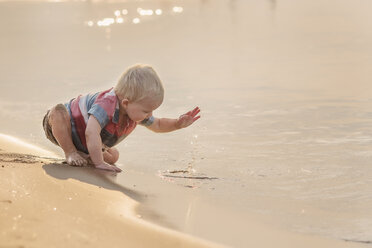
(45, 203)
(42, 206)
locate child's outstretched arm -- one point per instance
(94, 145)
(163, 125)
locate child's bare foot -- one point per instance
(75, 159)
(86, 157)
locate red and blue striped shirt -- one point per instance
(104, 106)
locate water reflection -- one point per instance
(133, 16)
(136, 20)
(177, 9)
(145, 12)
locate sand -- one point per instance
(42, 206)
(39, 210)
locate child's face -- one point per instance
(140, 110)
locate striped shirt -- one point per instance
(104, 106)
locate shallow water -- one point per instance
(284, 87)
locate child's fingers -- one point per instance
(105, 167)
(195, 118)
(195, 111)
(113, 168)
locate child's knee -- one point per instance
(59, 112)
(114, 153)
(60, 107)
(111, 155)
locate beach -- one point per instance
(41, 206)
(47, 203)
(280, 156)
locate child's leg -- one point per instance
(59, 120)
(111, 155)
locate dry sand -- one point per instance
(42, 209)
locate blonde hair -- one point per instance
(139, 81)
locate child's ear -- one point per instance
(124, 103)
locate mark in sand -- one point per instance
(188, 176)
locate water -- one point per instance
(284, 88)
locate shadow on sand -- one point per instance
(104, 179)
(92, 176)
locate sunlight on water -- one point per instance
(118, 19)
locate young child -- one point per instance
(87, 127)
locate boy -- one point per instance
(89, 126)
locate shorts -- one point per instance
(48, 128)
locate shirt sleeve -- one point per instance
(100, 114)
(148, 121)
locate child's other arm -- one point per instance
(94, 145)
(163, 125)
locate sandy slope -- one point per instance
(39, 208)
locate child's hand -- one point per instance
(187, 119)
(105, 166)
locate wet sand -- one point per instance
(41, 206)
